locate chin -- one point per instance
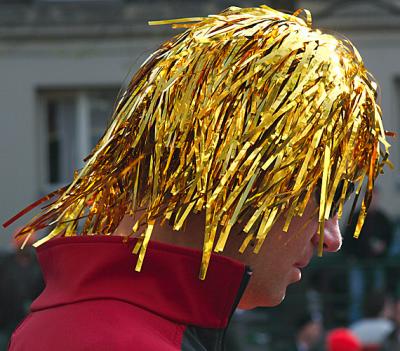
(262, 301)
(277, 300)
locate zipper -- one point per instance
(243, 285)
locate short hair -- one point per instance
(374, 304)
(241, 115)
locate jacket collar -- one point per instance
(102, 267)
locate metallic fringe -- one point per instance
(239, 116)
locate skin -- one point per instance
(279, 261)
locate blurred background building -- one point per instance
(63, 63)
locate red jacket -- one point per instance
(94, 299)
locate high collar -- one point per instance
(102, 267)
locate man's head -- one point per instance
(245, 117)
(374, 304)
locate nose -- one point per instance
(332, 236)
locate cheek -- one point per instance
(274, 273)
(273, 267)
(300, 235)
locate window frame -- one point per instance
(82, 115)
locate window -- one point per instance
(73, 122)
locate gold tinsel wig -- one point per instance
(243, 115)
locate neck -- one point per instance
(191, 235)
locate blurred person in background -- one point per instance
(309, 331)
(249, 123)
(367, 255)
(392, 342)
(375, 238)
(375, 327)
(20, 283)
(342, 339)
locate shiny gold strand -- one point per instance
(241, 115)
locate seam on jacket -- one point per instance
(180, 321)
(110, 299)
